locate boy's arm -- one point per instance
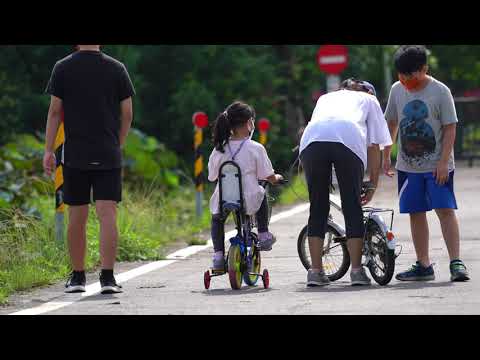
(441, 172)
(448, 119)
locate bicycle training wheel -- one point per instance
(382, 263)
(336, 259)
(235, 267)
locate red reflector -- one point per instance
(390, 236)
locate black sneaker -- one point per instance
(109, 285)
(76, 282)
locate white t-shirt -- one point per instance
(353, 118)
(254, 164)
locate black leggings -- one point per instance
(317, 160)
(218, 225)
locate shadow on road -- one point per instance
(227, 292)
(346, 287)
(335, 288)
(418, 285)
(103, 297)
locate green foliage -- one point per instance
(22, 178)
(174, 81)
(21, 172)
(295, 191)
(148, 160)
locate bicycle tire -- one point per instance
(251, 280)
(388, 255)
(235, 274)
(302, 244)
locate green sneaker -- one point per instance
(458, 271)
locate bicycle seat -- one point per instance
(231, 206)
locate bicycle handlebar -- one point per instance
(264, 183)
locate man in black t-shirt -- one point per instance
(94, 91)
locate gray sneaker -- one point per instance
(360, 278)
(266, 245)
(317, 279)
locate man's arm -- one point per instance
(126, 118)
(374, 163)
(441, 172)
(53, 122)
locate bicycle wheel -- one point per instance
(251, 280)
(235, 267)
(382, 263)
(336, 259)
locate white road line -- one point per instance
(94, 288)
(50, 306)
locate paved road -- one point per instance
(178, 287)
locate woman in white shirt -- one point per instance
(344, 124)
(232, 140)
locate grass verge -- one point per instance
(147, 221)
(296, 191)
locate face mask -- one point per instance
(410, 84)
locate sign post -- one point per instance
(332, 60)
(264, 126)
(200, 121)
(59, 205)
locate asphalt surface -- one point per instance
(178, 287)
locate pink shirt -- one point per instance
(254, 164)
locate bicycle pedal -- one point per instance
(218, 272)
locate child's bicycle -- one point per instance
(243, 258)
(378, 246)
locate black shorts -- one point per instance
(80, 187)
(317, 160)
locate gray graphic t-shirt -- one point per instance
(421, 116)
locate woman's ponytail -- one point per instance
(221, 131)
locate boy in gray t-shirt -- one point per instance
(422, 111)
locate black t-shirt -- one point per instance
(91, 85)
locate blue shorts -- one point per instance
(420, 192)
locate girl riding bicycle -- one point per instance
(232, 135)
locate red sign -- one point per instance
(332, 59)
(264, 125)
(472, 93)
(200, 119)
